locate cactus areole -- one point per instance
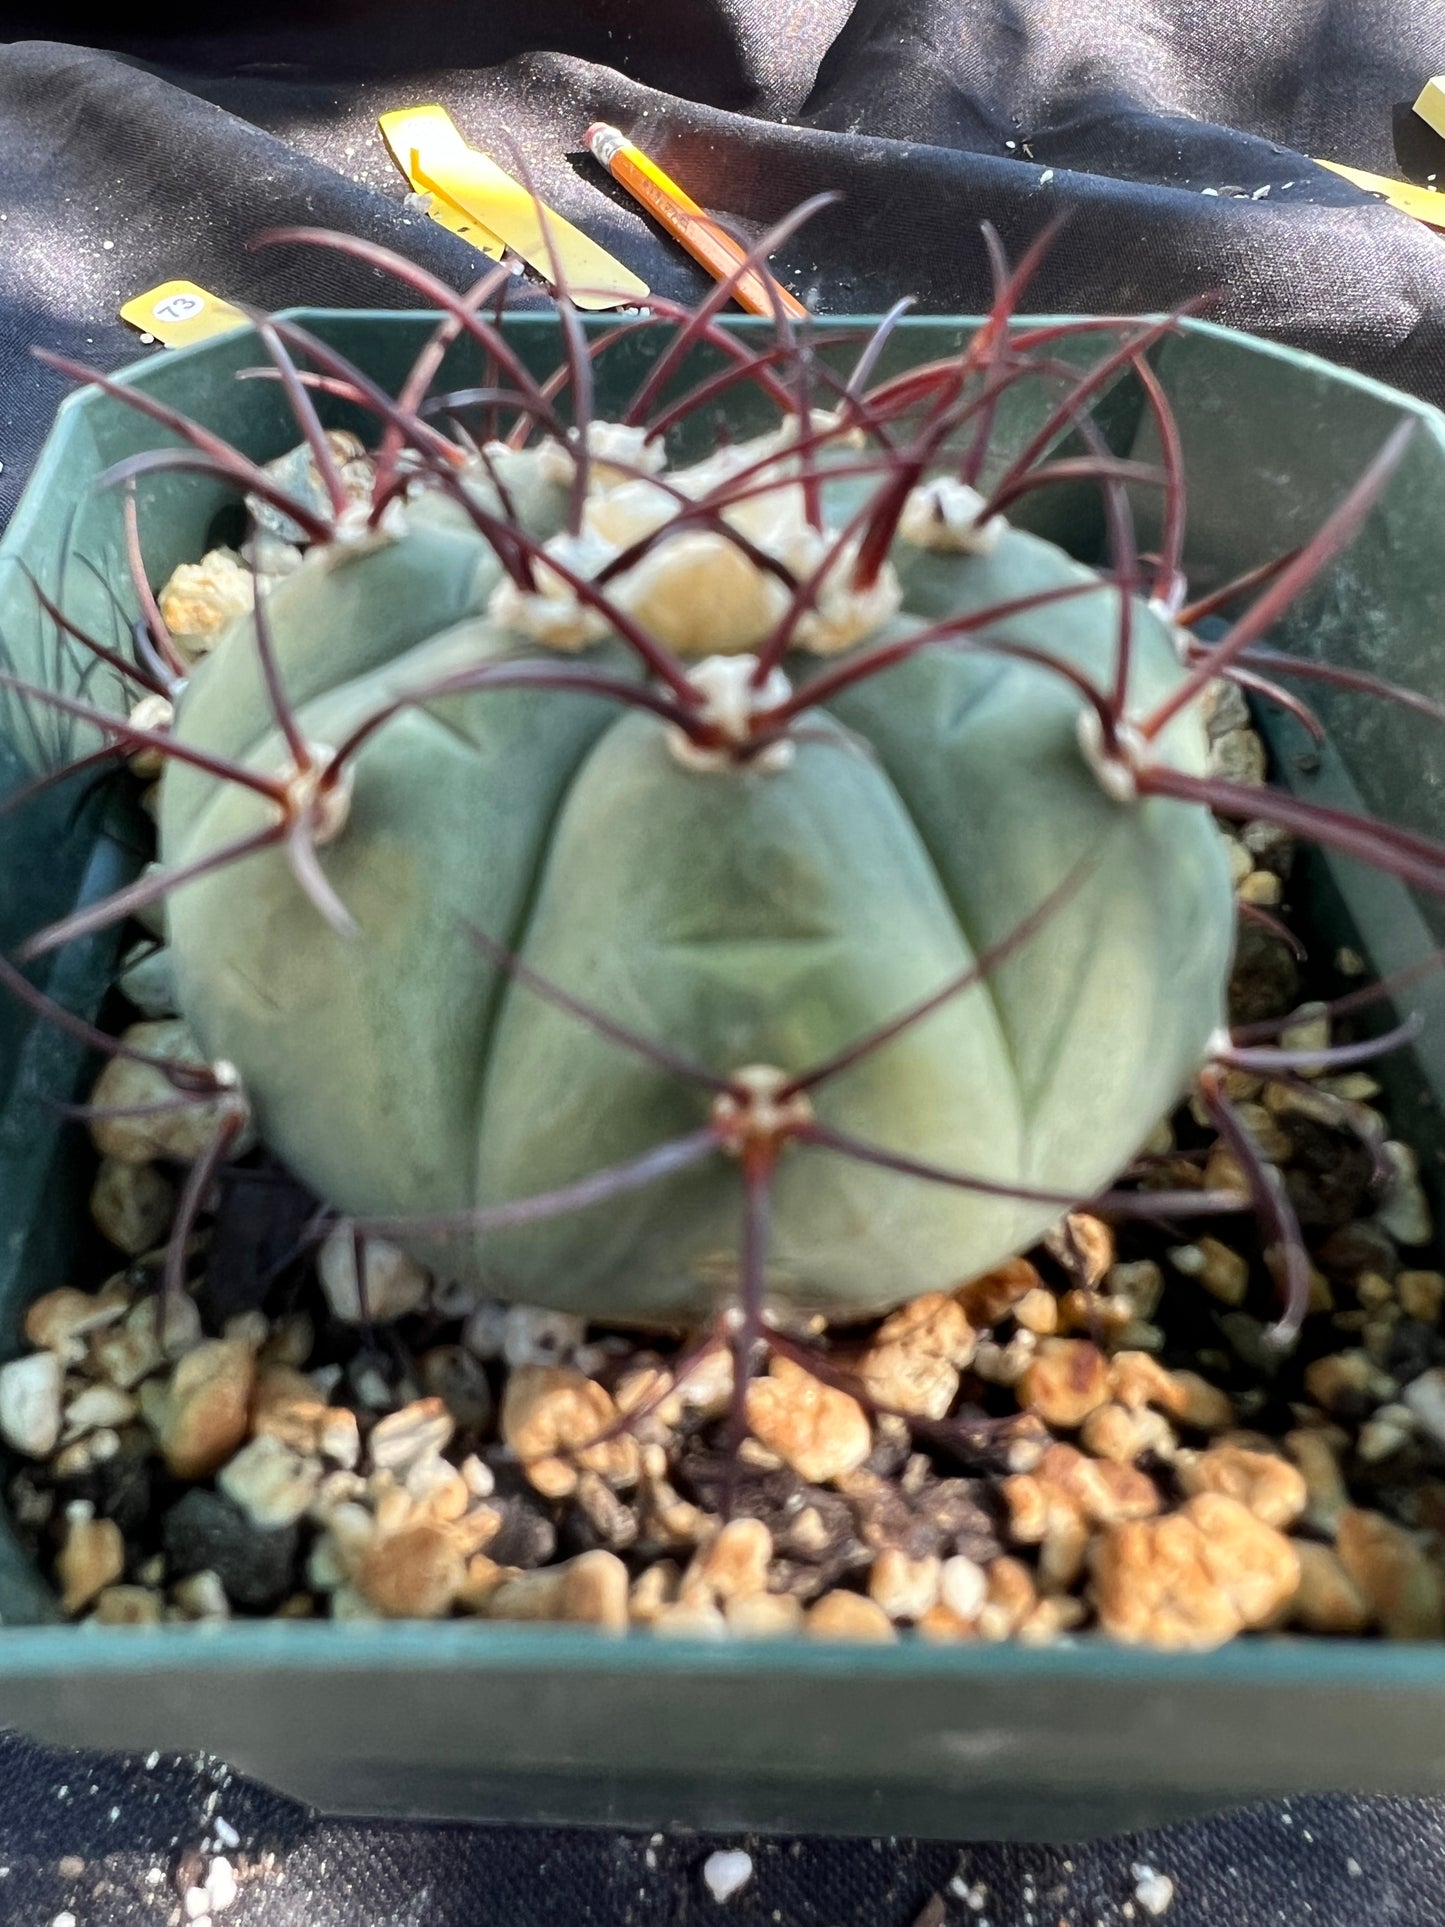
(648, 886)
(739, 911)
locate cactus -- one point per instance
(655, 881)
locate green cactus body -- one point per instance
(741, 915)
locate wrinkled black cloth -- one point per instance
(1178, 135)
(1175, 133)
(116, 1842)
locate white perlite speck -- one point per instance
(30, 1403)
(1153, 1891)
(220, 1885)
(727, 1873)
(63, 1920)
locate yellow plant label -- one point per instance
(411, 132)
(1431, 104)
(178, 313)
(466, 185)
(1422, 202)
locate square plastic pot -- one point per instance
(475, 1720)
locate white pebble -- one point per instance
(30, 1403)
(326, 1569)
(480, 1479)
(63, 1920)
(348, 1605)
(98, 1407)
(132, 1205)
(963, 1586)
(1425, 1397)
(1153, 1891)
(592, 1360)
(372, 1389)
(202, 1596)
(338, 1437)
(226, 1833)
(161, 1329)
(1383, 1435)
(1404, 1211)
(326, 1378)
(270, 1483)
(417, 1432)
(196, 1902)
(221, 1886)
(395, 1285)
(182, 1131)
(532, 1335)
(251, 1328)
(727, 1873)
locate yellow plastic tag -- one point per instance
(178, 313)
(1431, 104)
(1423, 202)
(466, 183)
(453, 219)
(412, 131)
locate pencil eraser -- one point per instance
(603, 141)
(1431, 104)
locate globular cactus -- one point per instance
(763, 912)
(643, 883)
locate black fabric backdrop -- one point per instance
(158, 152)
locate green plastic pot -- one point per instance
(565, 1725)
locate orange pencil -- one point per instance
(686, 222)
